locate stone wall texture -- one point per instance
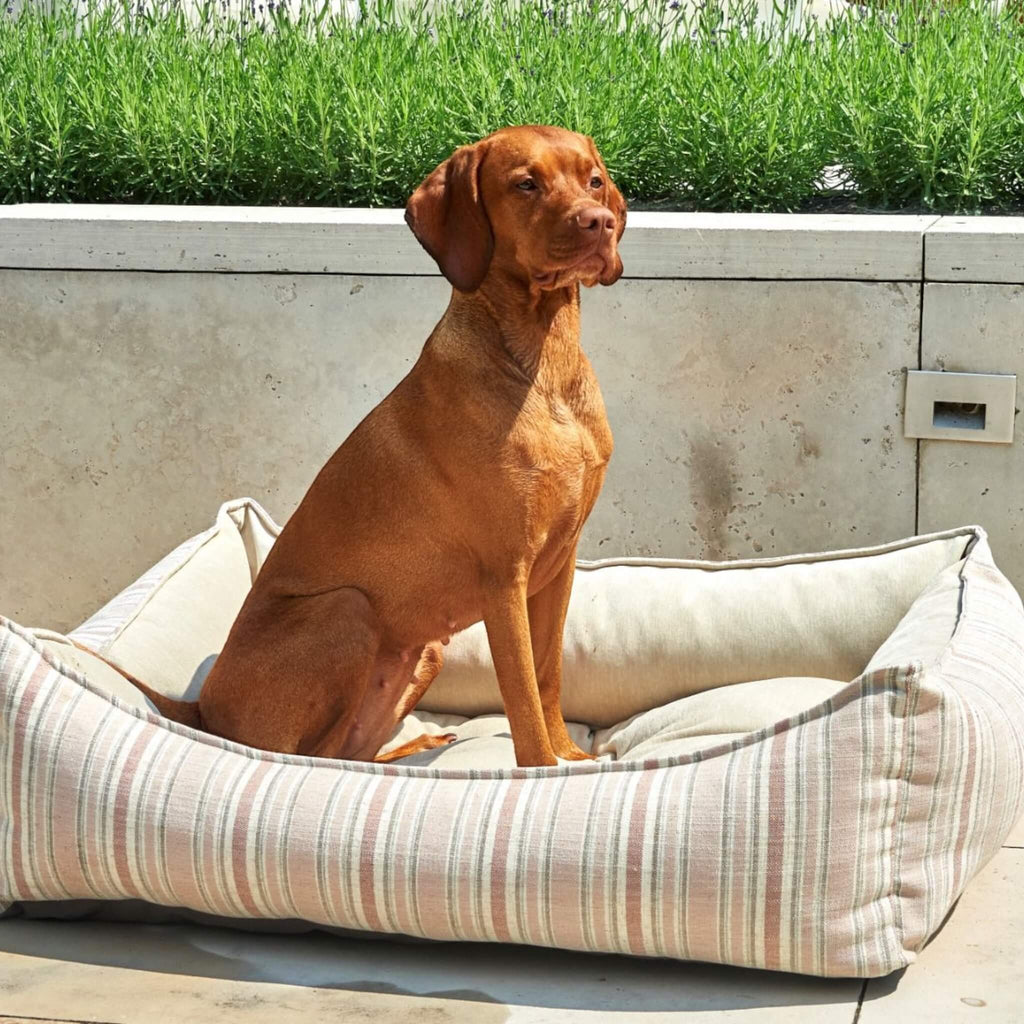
(753, 369)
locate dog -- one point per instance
(460, 497)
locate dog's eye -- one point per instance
(527, 185)
(596, 182)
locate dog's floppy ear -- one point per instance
(447, 216)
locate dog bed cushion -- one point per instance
(802, 762)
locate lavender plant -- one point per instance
(694, 105)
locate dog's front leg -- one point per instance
(547, 609)
(508, 632)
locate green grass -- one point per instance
(922, 108)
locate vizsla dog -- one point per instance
(461, 496)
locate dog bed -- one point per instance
(802, 762)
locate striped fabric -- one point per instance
(832, 843)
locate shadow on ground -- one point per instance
(482, 973)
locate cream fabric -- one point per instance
(639, 633)
(171, 641)
(939, 606)
(92, 668)
(712, 717)
(257, 529)
(700, 721)
(483, 742)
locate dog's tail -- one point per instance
(185, 712)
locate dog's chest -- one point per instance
(561, 458)
(583, 434)
(564, 431)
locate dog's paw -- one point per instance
(574, 753)
(440, 739)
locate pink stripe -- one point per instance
(603, 929)
(471, 826)
(20, 752)
(401, 861)
(958, 852)
(272, 821)
(702, 931)
(67, 793)
(368, 854)
(120, 830)
(240, 838)
(531, 847)
(152, 824)
(735, 868)
(218, 801)
(568, 829)
(94, 841)
(846, 849)
(673, 913)
(502, 840)
(803, 956)
(302, 859)
(635, 895)
(432, 859)
(183, 868)
(44, 838)
(919, 892)
(775, 863)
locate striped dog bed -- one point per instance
(801, 763)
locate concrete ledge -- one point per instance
(361, 241)
(232, 239)
(774, 246)
(975, 249)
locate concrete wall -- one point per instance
(974, 321)
(159, 360)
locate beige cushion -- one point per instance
(700, 721)
(97, 671)
(174, 635)
(639, 634)
(923, 634)
(483, 742)
(712, 717)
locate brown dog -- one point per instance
(461, 496)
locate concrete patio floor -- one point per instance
(973, 971)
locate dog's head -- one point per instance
(534, 200)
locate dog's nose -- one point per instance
(596, 218)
